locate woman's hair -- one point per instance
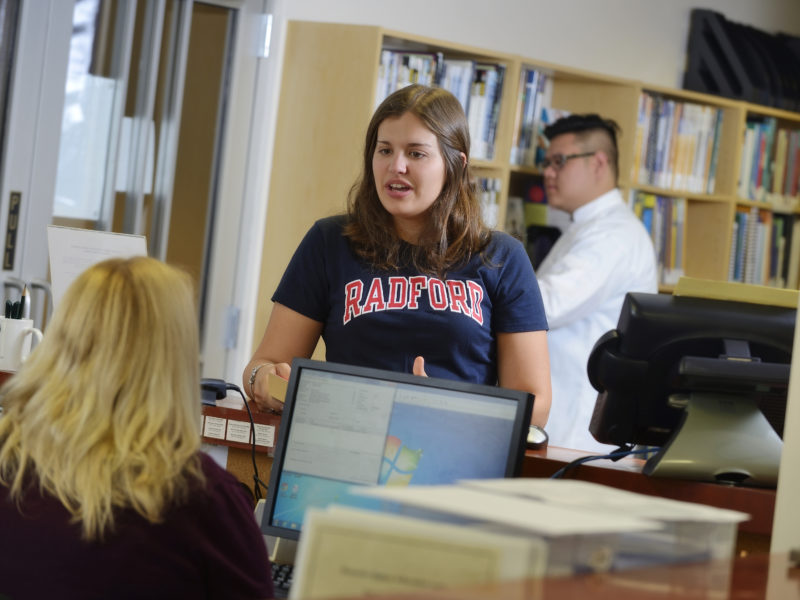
(105, 413)
(455, 230)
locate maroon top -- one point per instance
(210, 547)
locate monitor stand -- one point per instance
(721, 438)
(282, 550)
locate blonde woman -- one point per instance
(103, 490)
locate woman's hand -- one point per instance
(419, 367)
(288, 334)
(259, 392)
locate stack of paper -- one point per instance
(422, 537)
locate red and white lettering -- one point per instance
(476, 298)
(398, 290)
(437, 294)
(374, 301)
(352, 294)
(458, 297)
(416, 284)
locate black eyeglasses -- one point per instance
(557, 161)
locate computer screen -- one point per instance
(344, 425)
(704, 380)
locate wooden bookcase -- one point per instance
(328, 94)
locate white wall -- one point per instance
(635, 39)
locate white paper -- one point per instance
(265, 435)
(353, 552)
(596, 497)
(238, 431)
(509, 510)
(215, 428)
(73, 250)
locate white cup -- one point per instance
(15, 342)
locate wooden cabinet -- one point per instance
(329, 92)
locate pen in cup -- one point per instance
(25, 304)
(21, 309)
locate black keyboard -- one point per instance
(282, 579)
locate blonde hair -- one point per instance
(105, 413)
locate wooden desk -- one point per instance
(240, 455)
(626, 474)
(754, 577)
(754, 535)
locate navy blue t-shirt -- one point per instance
(385, 319)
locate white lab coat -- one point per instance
(603, 254)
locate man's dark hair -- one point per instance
(583, 126)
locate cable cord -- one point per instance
(257, 482)
(617, 454)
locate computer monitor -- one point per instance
(345, 425)
(704, 380)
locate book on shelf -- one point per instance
(676, 144)
(488, 198)
(694, 126)
(676, 268)
(649, 140)
(762, 174)
(777, 251)
(673, 147)
(792, 164)
(492, 115)
(664, 218)
(752, 231)
(484, 109)
(733, 250)
(758, 165)
(665, 135)
(793, 243)
(456, 77)
(769, 163)
(399, 68)
(706, 149)
(534, 81)
(741, 218)
(535, 91)
(714, 160)
(768, 167)
(522, 91)
(783, 230)
(779, 166)
(686, 147)
(478, 87)
(751, 247)
(746, 166)
(640, 135)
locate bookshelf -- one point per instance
(329, 91)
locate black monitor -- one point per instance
(345, 425)
(703, 380)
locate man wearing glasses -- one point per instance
(604, 253)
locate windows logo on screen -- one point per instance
(399, 462)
